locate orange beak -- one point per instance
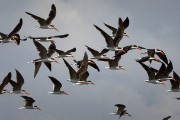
(56, 29)
(92, 83)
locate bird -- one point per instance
(29, 103)
(56, 87)
(120, 110)
(111, 42)
(125, 49)
(163, 73)
(175, 84)
(147, 58)
(79, 77)
(18, 85)
(166, 118)
(98, 55)
(49, 38)
(62, 54)
(123, 24)
(45, 56)
(151, 74)
(12, 36)
(160, 53)
(5, 81)
(90, 63)
(114, 63)
(46, 24)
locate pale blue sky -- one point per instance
(153, 24)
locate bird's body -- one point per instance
(46, 24)
(56, 87)
(18, 85)
(175, 84)
(79, 77)
(45, 56)
(49, 38)
(114, 63)
(120, 110)
(98, 55)
(154, 78)
(90, 63)
(29, 103)
(62, 54)
(160, 53)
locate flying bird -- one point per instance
(45, 56)
(48, 39)
(18, 85)
(46, 24)
(98, 55)
(120, 110)
(90, 63)
(79, 77)
(111, 42)
(160, 53)
(56, 87)
(175, 84)
(151, 74)
(4, 83)
(12, 36)
(62, 54)
(125, 49)
(29, 103)
(148, 58)
(123, 24)
(114, 63)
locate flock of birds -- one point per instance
(80, 77)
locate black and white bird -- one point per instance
(120, 110)
(5, 81)
(79, 77)
(98, 55)
(48, 39)
(123, 24)
(56, 87)
(45, 56)
(18, 85)
(12, 36)
(62, 54)
(114, 63)
(46, 24)
(29, 103)
(160, 53)
(152, 76)
(175, 84)
(90, 63)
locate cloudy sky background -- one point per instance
(152, 25)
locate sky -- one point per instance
(153, 24)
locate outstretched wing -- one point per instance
(52, 14)
(40, 20)
(17, 28)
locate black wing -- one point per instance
(57, 84)
(17, 28)
(19, 77)
(5, 81)
(52, 14)
(42, 50)
(40, 20)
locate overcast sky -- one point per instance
(153, 24)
